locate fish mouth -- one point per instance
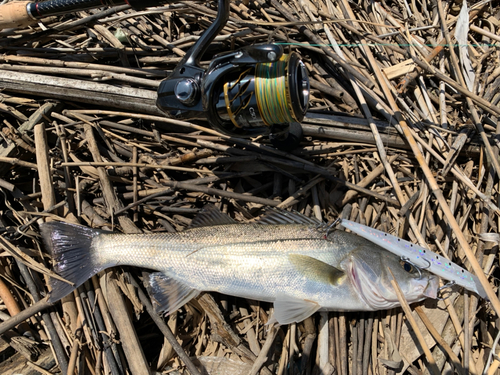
(424, 287)
(432, 287)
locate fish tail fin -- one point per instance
(72, 253)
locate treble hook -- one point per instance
(448, 285)
(335, 222)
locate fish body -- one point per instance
(296, 266)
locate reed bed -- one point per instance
(401, 135)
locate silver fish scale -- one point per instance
(247, 260)
(262, 270)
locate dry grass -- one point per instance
(390, 143)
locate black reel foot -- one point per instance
(289, 139)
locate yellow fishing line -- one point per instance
(270, 90)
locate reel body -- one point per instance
(255, 90)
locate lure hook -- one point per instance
(335, 222)
(448, 285)
(428, 264)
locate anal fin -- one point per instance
(167, 293)
(289, 310)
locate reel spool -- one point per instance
(257, 90)
(265, 95)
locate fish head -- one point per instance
(370, 272)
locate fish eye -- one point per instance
(408, 267)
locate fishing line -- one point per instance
(387, 44)
(301, 23)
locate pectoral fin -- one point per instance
(289, 310)
(316, 269)
(168, 294)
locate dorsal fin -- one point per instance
(275, 216)
(210, 216)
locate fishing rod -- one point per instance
(255, 90)
(17, 14)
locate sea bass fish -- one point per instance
(299, 266)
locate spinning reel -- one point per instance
(256, 90)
